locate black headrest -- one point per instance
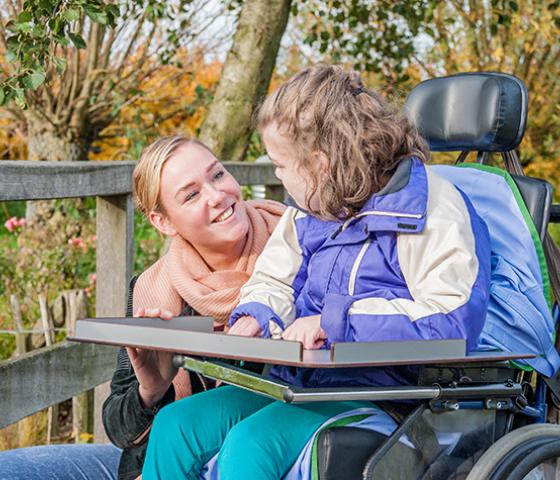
(482, 111)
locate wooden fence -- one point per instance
(45, 377)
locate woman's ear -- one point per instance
(162, 223)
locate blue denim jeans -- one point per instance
(69, 462)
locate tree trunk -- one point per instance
(46, 142)
(245, 77)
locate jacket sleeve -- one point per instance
(446, 268)
(125, 418)
(279, 274)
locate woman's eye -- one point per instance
(190, 196)
(219, 175)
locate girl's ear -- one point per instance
(162, 223)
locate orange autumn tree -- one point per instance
(174, 100)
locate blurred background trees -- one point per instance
(110, 76)
(70, 67)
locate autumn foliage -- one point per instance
(174, 100)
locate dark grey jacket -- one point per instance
(125, 418)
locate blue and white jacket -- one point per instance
(413, 264)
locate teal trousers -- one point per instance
(257, 438)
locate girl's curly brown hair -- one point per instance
(327, 109)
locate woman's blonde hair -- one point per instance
(147, 173)
(327, 109)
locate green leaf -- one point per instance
(97, 16)
(60, 64)
(71, 14)
(24, 17)
(10, 56)
(61, 40)
(2, 96)
(77, 40)
(46, 5)
(19, 98)
(34, 81)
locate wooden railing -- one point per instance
(39, 379)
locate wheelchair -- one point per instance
(470, 434)
(488, 418)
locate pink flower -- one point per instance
(9, 224)
(92, 278)
(14, 223)
(77, 242)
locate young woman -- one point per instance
(187, 194)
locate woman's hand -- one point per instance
(154, 369)
(245, 326)
(308, 331)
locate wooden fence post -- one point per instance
(48, 328)
(82, 405)
(20, 336)
(115, 226)
(21, 348)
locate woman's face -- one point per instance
(283, 155)
(201, 200)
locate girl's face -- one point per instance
(201, 200)
(283, 155)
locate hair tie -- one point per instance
(358, 90)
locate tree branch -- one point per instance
(424, 67)
(14, 8)
(77, 118)
(132, 41)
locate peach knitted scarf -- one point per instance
(182, 276)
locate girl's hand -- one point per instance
(245, 326)
(154, 369)
(308, 331)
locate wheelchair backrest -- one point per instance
(480, 112)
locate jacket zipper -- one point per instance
(357, 262)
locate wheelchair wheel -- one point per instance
(541, 464)
(528, 453)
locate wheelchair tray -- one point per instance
(195, 336)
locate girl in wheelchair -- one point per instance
(380, 248)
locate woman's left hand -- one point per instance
(308, 331)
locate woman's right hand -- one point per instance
(154, 369)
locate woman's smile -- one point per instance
(225, 215)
